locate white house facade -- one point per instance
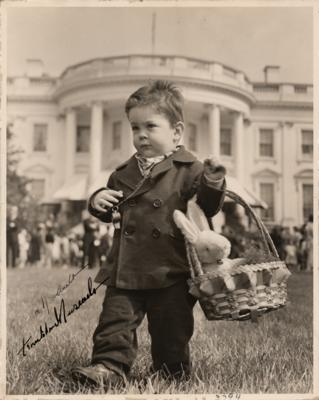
(74, 131)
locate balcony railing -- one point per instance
(166, 65)
(283, 92)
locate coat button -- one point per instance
(129, 230)
(132, 202)
(157, 203)
(156, 233)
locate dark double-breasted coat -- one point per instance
(148, 251)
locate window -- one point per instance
(267, 195)
(116, 135)
(40, 137)
(83, 139)
(192, 137)
(225, 142)
(307, 200)
(301, 89)
(37, 188)
(307, 142)
(266, 143)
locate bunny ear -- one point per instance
(197, 216)
(188, 229)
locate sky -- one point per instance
(245, 38)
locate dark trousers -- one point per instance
(12, 255)
(170, 323)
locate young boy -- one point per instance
(147, 267)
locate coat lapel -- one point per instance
(156, 172)
(130, 175)
(161, 167)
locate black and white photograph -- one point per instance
(158, 225)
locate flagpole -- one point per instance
(153, 32)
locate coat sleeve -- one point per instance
(102, 216)
(209, 198)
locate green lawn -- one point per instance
(273, 356)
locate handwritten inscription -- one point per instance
(61, 317)
(59, 291)
(72, 276)
(228, 396)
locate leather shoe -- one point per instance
(98, 375)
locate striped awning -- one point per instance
(99, 181)
(250, 198)
(73, 189)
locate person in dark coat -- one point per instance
(12, 237)
(146, 269)
(95, 250)
(104, 248)
(278, 241)
(89, 227)
(35, 247)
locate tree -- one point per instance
(18, 186)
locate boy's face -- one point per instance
(153, 134)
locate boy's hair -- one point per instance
(163, 96)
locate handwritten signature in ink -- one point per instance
(72, 276)
(59, 290)
(61, 317)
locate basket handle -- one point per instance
(266, 239)
(193, 260)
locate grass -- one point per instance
(273, 356)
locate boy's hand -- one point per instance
(213, 169)
(106, 199)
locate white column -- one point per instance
(96, 140)
(70, 137)
(214, 131)
(239, 146)
(291, 204)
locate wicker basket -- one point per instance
(259, 288)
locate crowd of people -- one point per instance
(49, 245)
(295, 246)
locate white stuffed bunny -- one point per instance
(212, 248)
